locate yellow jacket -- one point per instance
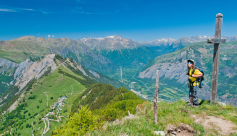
(193, 79)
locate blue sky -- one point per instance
(139, 20)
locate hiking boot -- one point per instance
(189, 104)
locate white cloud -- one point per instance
(15, 9)
(7, 10)
(48, 36)
(28, 9)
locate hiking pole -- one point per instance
(196, 88)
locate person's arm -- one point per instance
(200, 75)
(197, 73)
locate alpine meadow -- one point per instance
(118, 68)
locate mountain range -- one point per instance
(105, 55)
(38, 74)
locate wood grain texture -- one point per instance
(216, 54)
(156, 96)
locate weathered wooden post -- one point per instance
(156, 96)
(216, 53)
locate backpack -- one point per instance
(199, 79)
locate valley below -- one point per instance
(49, 86)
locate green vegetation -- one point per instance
(33, 107)
(105, 103)
(79, 124)
(131, 57)
(103, 96)
(20, 50)
(90, 103)
(143, 122)
(10, 99)
(5, 78)
(67, 81)
(169, 114)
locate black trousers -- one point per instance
(193, 93)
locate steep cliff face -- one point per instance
(36, 70)
(7, 69)
(169, 70)
(6, 64)
(10, 72)
(22, 68)
(24, 74)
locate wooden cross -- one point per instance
(216, 53)
(156, 96)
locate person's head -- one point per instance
(190, 64)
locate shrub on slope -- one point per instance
(105, 103)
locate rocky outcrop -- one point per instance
(10, 72)
(81, 69)
(22, 68)
(176, 70)
(94, 73)
(36, 70)
(6, 64)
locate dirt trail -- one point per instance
(224, 127)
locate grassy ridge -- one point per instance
(66, 80)
(34, 103)
(103, 103)
(170, 114)
(101, 95)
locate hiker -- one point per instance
(193, 83)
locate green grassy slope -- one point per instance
(99, 96)
(66, 80)
(98, 103)
(171, 114)
(54, 85)
(18, 51)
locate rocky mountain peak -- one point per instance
(26, 38)
(116, 37)
(115, 42)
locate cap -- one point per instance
(190, 61)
